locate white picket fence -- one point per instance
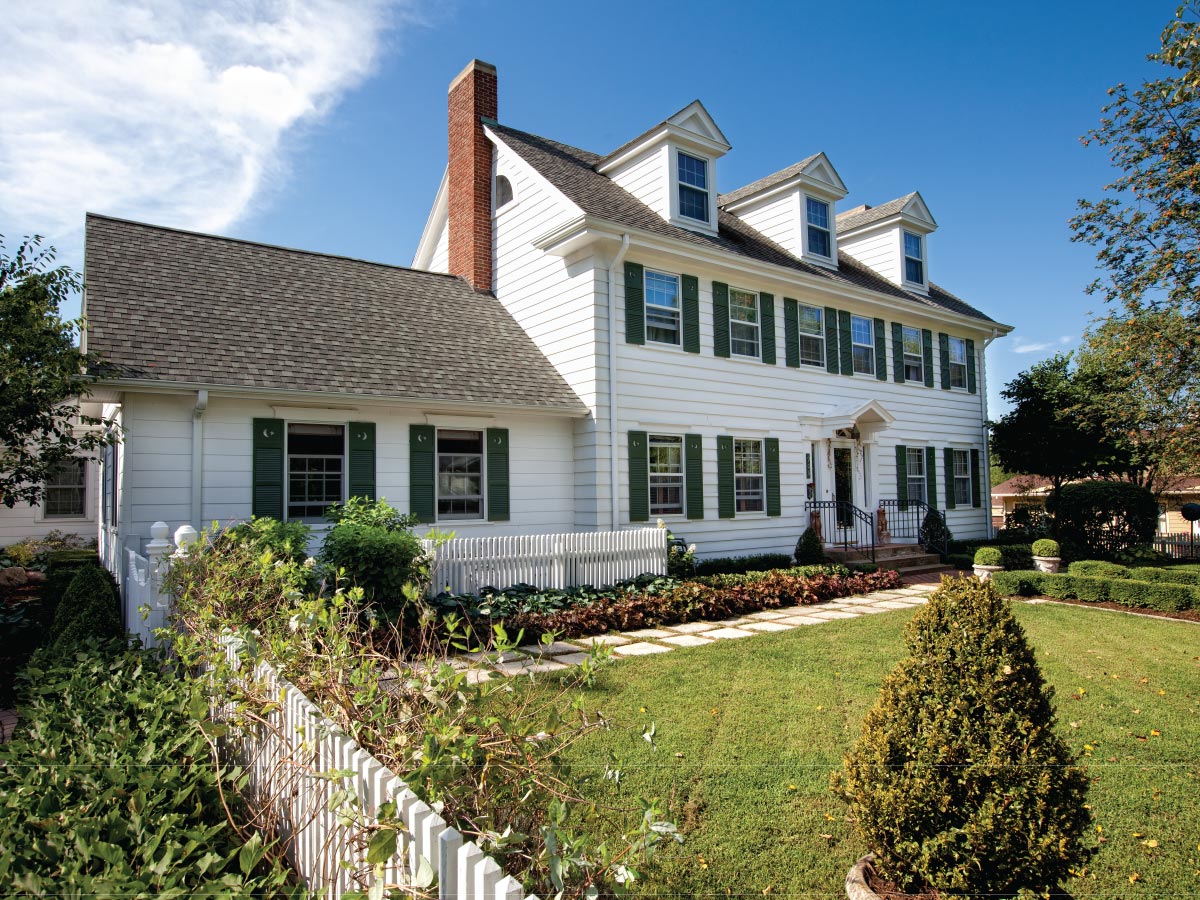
(1177, 546)
(464, 565)
(147, 606)
(285, 757)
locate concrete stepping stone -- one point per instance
(892, 604)
(768, 614)
(555, 649)
(687, 640)
(802, 620)
(648, 633)
(549, 665)
(733, 623)
(722, 634)
(572, 659)
(775, 625)
(693, 627)
(609, 640)
(640, 649)
(834, 614)
(515, 668)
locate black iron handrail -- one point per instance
(916, 520)
(844, 525)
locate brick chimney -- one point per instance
(472, 97)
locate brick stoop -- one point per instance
(907, 559)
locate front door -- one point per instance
(843, 484)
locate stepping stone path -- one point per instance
(647, 641)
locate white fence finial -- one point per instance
(185, 535)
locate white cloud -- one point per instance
(1043, 346)
(171, 112)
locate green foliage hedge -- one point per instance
(108, 789)
(1161, 595)
(989, 556)
(1013, 556)
(809, 551)
(88, 612)
(379, 561)
(1102, 518)
(959, 782)
(736, 565)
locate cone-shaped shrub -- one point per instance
(809, 551)
(88, 611)
(959, 782)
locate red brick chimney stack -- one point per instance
(472, 97)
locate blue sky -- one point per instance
(323, 127)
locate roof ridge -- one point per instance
(766, 181)
(263, 244)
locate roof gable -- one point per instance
(691, 126)
(911, 207)
(816, 170)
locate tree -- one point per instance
(42, 374)
(1148, 227)
(1053, 429)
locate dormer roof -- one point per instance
(816, 168)
(693, 124)
(910, 206)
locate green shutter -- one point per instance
(831, 343)
(720, 319)
(422, 452)
(927, 351)
(897, 353)
(635, 304)
(691, 313)
(948, 457)
(971, 384)
(791, 333)
(766, 316)
(845, 345)
(976, 495)
(267, 479)
(771, 452)
(902, 474)
(639, 477)
(880, 351)
(931, 477)
(362, 460)
(497, 475)
(693, 466)
(725, 477)
(944, 353)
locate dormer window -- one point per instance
(693, 188)
(818, 227)
(914, 258)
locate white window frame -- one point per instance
(666, 479)
(905, 331)
(919, 260)
(681, 185)
(756, 325)
(48, 488)
(958, 369)
(855, 345)
(818, 335)
(917, 454)
(287, 467)
(677, 311)
(437, 477)
(749, 486)
(963, 497)
(809, 227)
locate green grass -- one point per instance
(749, 730)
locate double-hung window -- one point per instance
(316, 458)
(862, 339)
(749, 481)
(66, 491)
(914, 258)
(662, 308)
(459, 474)
(914, 358)
(819, 243)
(666, 475)
(916, 473)
(812, 335)
(743, 323)
(958, 362)
(962, 478)
(693, 188)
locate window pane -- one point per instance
(748, 484)
(862, 331)
(818, 213)
(812, 350)
(916, 473)
(460, 474)
(315, 462)
(914, 271)
(811, 320)
(693, 203)
(693, 171)
(662, 308)
(818, 241)
(743, 323)
(65, 490)
(958, 350)
(912, 245)
(863, 340)
(666, 475)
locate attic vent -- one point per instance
(504, 191)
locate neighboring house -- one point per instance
(614, 342)
(69, 505)
(1030, 491)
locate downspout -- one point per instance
(198, 456)
(612, 385)
(987, 443)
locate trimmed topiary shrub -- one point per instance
(809, 550)
(1181, 576)
(1045, 548)
(959, 782)
(88, 612)
(989, 556)
(1098, 567)
(737, 565)
(1098, 519)
(935, 534)
(1020, 583)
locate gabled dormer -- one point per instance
(794, 208)
(672, 168)
(891, 239)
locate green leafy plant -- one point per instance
(989, 556)
(1100, 518)
(1098, 567)
(681, 557)
(934, 534)
(87, 613)
(1045, 548)
(372, 513)
(959, 782)
(735, 565)
(809, 551)
(286, 540)
(379, 560)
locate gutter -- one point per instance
(987, 442)
(612, 383)
(198, 456)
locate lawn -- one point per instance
(749, 730)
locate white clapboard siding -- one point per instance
(464, 565)
(285, 757)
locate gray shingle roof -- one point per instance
(865, 215)
(175, 306)
(764, 183)
(572, 172)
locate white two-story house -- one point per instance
(585, 342)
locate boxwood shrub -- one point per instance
(989, 556)
(1131, 592)
(1045, 548)
(88, 612)
(736, 565)
(1098, 567)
